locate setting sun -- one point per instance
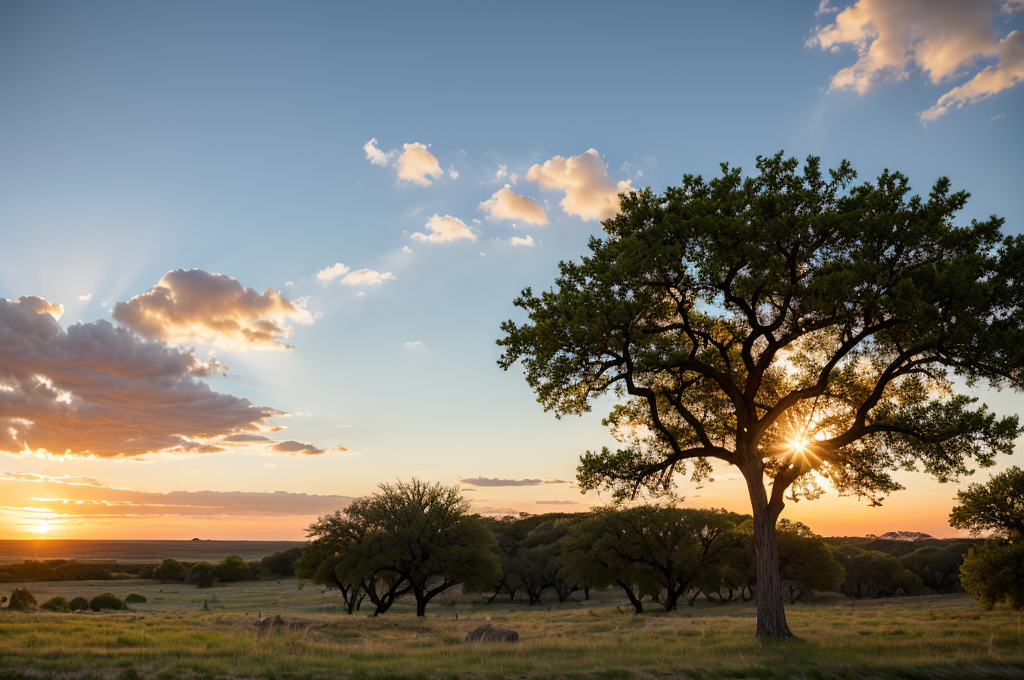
(42, 527)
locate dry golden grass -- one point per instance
(171, 637)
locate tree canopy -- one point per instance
(791, 323)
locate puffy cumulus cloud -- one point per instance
(943, 38)
(516, 241)
(589, 193)
(418, 165)
(505, 204)
(444, 229)
(194, 306)
(97, 390)
(376, 156)
(360, 277)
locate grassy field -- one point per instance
(171, 636)
(136, 551)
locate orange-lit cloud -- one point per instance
(945, 40)
(589, 193)
(493, 481)
(416, 164)
(444, 229)
(191, 306)
(505, 204)
(96, 390)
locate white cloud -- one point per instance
(331, 273)
(504, 204)
(190, 306)
(86, 297)
(360, 277)
(445, 229)
(502, 175)
(452, 172)
(943, 39)
(516, 241)
(376, 156)
(407, 249)
(414, 343)
(417, 164)
(589, 193)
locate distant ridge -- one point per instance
(901, 536)
(137, 551)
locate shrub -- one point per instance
(201, 574)
(56, 604)
(21, 599)
(993, 572)
(135, 598)
(232, 568)
(169, 570)
(78, 604)
(106, 601)
(281, 563)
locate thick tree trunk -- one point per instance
(771, 612)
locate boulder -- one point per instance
(489, 633)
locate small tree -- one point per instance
(201, 575)
(232, 568)
(414, 537)
(169, 570)
(789, 324)
(993, 572)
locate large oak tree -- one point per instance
(807, 330)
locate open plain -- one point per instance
(184, 632)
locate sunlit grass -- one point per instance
(171, 637)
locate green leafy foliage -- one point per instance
(997, 505)
(993, 573)
(792, 324)
(414, 537)
(938, 569)
(78, 604)
(135, 598)
(874, 574)
(107, 601)
(232, 568)
(21, 599)
(201, 574)
(56, 604)
(281, 563)
(169, 570)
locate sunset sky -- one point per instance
(255, 255)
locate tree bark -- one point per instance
(771, 612)
(633, 599)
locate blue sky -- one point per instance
(139, 139)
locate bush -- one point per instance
(936, 568)
(106, 601)
(281, 563)
(135, 598)
(232, 568)
(78, 604)
(201, 574)
(56, 604)
(993, 572)
(21, 599)
(169, 570)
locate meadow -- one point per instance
(184, 632)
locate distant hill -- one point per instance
(137, 551)
(900, 536)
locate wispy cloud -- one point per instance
(85, 298)
(192, 306)
(945, 40)
(492, 481)
(376, 156)
(589, 193)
